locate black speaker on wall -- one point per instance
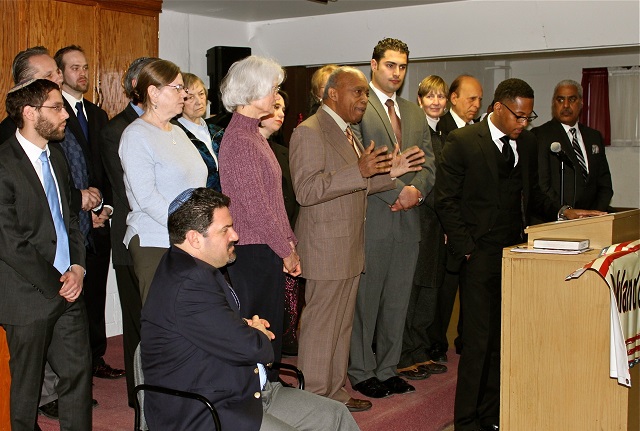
(219, 60)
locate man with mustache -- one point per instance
(42, 257)
(486, 189)
(587, 179)
(81, 147)
(194, 338)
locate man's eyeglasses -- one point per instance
(57, 108)
(178, 87)
(521, 118)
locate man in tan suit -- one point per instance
(332, 175)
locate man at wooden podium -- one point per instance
(486, 188)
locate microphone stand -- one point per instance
(562, 183)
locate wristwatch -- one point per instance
(561, 215)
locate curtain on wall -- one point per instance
(595, 110)
(624, 103)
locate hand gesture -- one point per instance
(409, 161)
(374, 161)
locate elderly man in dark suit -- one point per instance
(587, 180)
(42, 262)
(465, 97)
(194, 338)
(93, 191)
(332, 175)
(487, 187)
(130, 301)
(392, 228)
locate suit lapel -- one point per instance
(566, 144)
(336, 137)
(487, 146)
(381, 112)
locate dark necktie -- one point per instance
(395, 121)
(352, 141)
(576, 148)
(79, 174)
(84, 125)
(62, 260)
(507, 151)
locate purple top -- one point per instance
(251, 177)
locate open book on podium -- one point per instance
(601, 231)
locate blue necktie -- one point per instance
(84, 124)
(62, 260)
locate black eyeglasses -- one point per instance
(178, 87)
(57, 108)
(521, 118)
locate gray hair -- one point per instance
(21, 69)
(332, 82)
(132, 73)
(249, 79)
(568, 82)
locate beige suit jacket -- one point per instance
(333, 199)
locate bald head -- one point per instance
(465, 96)
(347, 93)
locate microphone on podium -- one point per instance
(556, 149)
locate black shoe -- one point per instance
(438, 354)
(372, 388)
(432, 368)
(396, 385)
(94, 403)
(491, 427)
(49, 410)
(104, 371)
(413, 373)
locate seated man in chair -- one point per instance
(193, 338)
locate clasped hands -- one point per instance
(72, 281)
(261, 325)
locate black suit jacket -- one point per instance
(7, 129)
(29, 283)
(109, 143)
(596, 192)
(446, 124)
(194, 339)
(467, 191)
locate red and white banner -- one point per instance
(619, 266)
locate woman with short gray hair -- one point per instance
(251, 177)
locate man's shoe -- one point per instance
(438, 354)
(49, 410)
(432, 368)
(104, 371)
(356, 405)
(372, 388)
(413, 373)
(396, 385)
(94, 403)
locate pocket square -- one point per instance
(595, 149)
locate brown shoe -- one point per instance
(356, 405)
(104, 371)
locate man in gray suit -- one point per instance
(42, 262)
(332, 175)
(392, 228)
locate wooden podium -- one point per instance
(556, 336)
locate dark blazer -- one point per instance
(596, 192)
(7, 129)
(432, 250)
(446, 124)
(194, 339)
(467, 190)
(29, 283)
(375, 126)
(216, 132)
(108, 146)
(290, 203)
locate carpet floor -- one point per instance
(430, 408)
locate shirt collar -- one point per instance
(32, 150)
(381, 96)
(136, 108)
(70, 99)
(496, 133)
(338, 119)
(459, 121)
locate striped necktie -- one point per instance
(576, 148)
